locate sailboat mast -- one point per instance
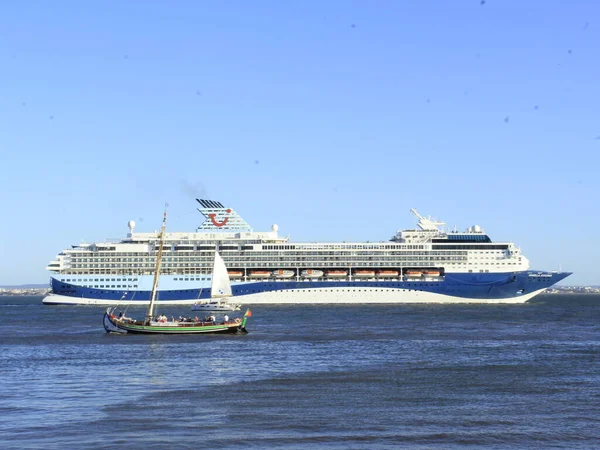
(161, 236)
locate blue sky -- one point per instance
(331, 119)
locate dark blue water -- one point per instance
(333, 377)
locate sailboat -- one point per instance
(152, 324)
(220, 290)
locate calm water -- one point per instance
(333, 377)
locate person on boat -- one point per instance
(213, 319)
(226, 318)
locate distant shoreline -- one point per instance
(23, 291)
(573, 290)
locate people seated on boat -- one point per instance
(124, 318)
(213, 318)
(196, 319)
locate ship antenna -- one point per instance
(161, 237)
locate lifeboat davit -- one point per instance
(364, 273)
(281, 273)
(260, 274)
(312, 273)
(387, 273)
(336, 273)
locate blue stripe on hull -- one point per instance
(491, 286)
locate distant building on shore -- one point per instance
(573, 290)
(23, 291)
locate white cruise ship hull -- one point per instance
(453, 288)
(324, 296)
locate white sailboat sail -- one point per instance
(221, 285)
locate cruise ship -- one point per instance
(423, 265)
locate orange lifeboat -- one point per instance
(387, 273)
(413, 273)
(364, 273)
(235, 273)
(260, 274)
(337, 273)
(432, 273)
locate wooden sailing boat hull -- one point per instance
(112, 325)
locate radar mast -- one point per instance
(427, 223)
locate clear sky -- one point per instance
(331, 119)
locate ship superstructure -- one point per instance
(426, 264)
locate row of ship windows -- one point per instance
(231, 261)
(191, 279)
(182, 266)
(263, 257)
(195, 269)
(313, 261)
(244, 290)
(247, 244)
(300, 251)
(249, 291)
(135, 257)
(265, 248)
(105, 286)
(295, 263)
(111, 286)
(121, 271)
(268, 258)
(85, 280)
(268, 254)
(410, 257)
(345, 247)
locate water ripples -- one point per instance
(352, 376)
